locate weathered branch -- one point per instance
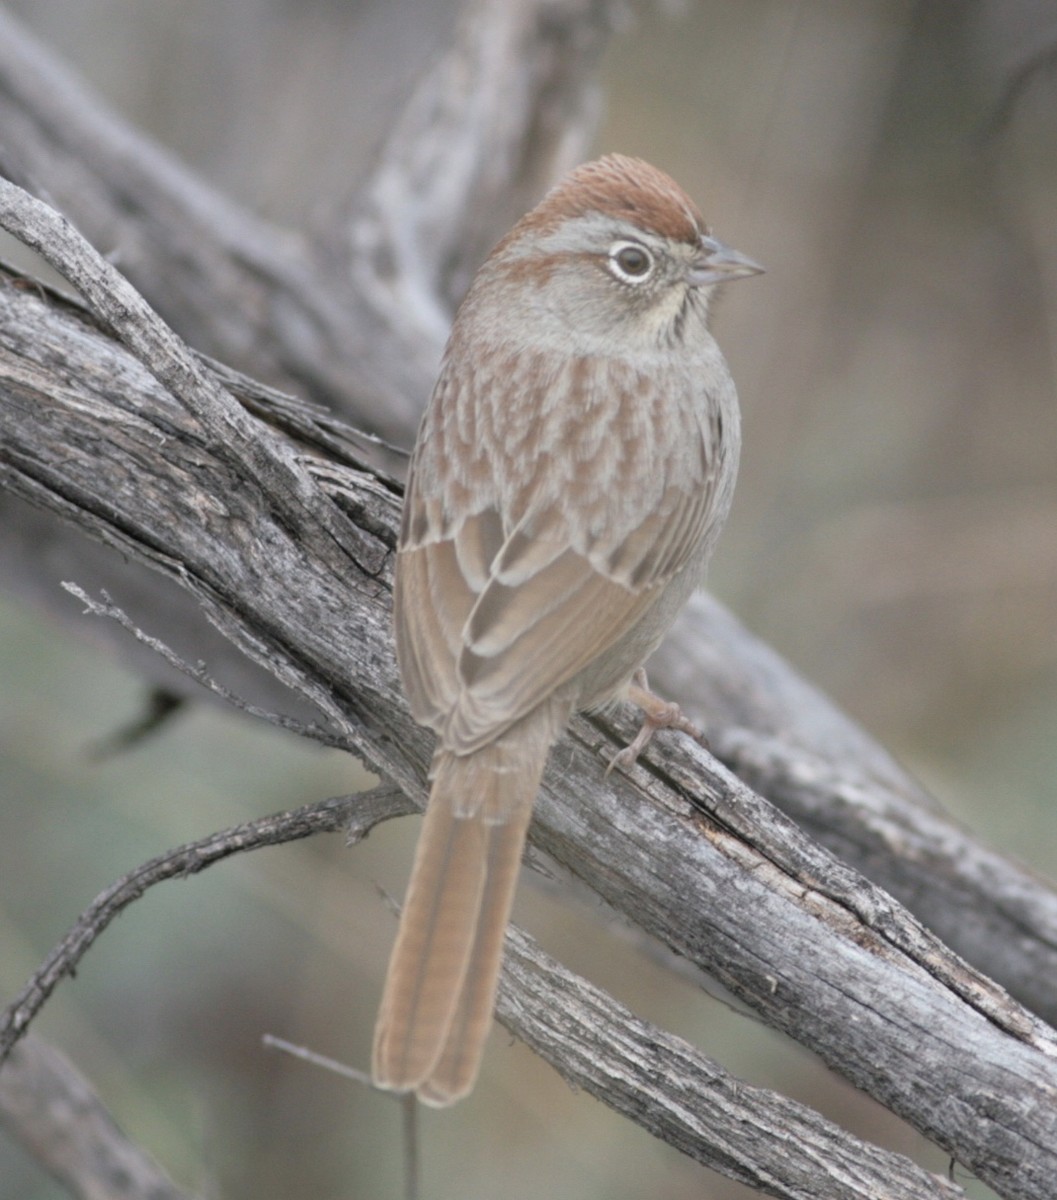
(48, 1106)
(789, 742)
(354, 815)
(356, 317)
(659, 1081)
(814, 948)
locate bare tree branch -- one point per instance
(104, 607)
(507, 111)
(356, 815)
(354, 318)
(56, 1114)
(790, 743)
(750, 1134)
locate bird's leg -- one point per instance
(657, 714)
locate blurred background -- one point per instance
(894, 535)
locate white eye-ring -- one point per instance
(630, 262)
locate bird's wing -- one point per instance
(492, 619)
(437, 585)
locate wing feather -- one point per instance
(437, 586)
(493, 616)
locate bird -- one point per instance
(570, 476)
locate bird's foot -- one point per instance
(657, 714)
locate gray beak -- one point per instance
(717, 263)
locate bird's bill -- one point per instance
(718, 263)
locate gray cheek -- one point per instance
(573, 314)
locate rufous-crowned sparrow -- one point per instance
(570, 478)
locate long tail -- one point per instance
(437, 1005)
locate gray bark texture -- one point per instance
(800, 866)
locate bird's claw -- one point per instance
(657, 714)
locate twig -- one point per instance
(412, 1142)
(317, 1060)
(356, 814)
(105, 607)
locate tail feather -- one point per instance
(455, 1071)
(432, 950)
(437, 1004)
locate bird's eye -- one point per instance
(630, 262)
